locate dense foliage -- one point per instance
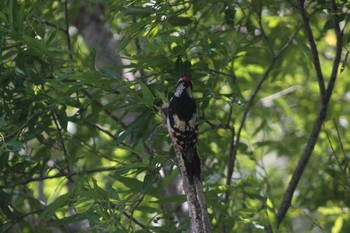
(82, 147)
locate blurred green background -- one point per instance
(82, 147)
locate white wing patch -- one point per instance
(179, 124)
(193, 122)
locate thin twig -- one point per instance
(340, 143)
(22, 216)
(231, 155)
(61, 140)
(108, 112)
(54, 25)
(134, 220)
(138, 47)
(314, 221)
(131, 216)
(211, 71)
(25, 123)
(102, 129)
(103, 169)
(214, 127)
(333, 149)
(231, 161)
(266, 38)
(67, 29)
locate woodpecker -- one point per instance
(182, 124)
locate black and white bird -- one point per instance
(182, 124)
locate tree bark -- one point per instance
(98, 35)
(197, 206)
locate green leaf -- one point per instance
(4, 158)
(14, 145)
(10, 12)
(132, 183)
(147, 209)
(4, 206)
(62, 118)
(37, 46)
(3, 18)
(93, 78)
(20, 18)
(51, 37)
(179, 21)
(172, 199)
(182, 68)
(169, 178)
(178, 65)
(187, 68)
(92, 59)
(112, 193)
(138, 11)
(146, 94)
(271, 214)
(121, 137)
(51, 209)
(101, 193)
(70, 219)
(230, 15)
(121, 171)
(148, 181)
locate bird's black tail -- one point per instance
(192, 164)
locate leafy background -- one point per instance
(82, 143)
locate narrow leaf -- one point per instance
(20, 18)
(138, 11)
(147, 182)
(271, 214)
(179, 21)
(36, 45)
(54, 206)
(146, 94)
(132, 183)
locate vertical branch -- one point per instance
(232, 155)
(302, 163)
(299, 170)
(231, 161)
(197, 206)
(314, 51)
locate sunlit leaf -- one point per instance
(51, 209)
(146, 94)
(271, 214)
(37, 46)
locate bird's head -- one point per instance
(184, 86)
